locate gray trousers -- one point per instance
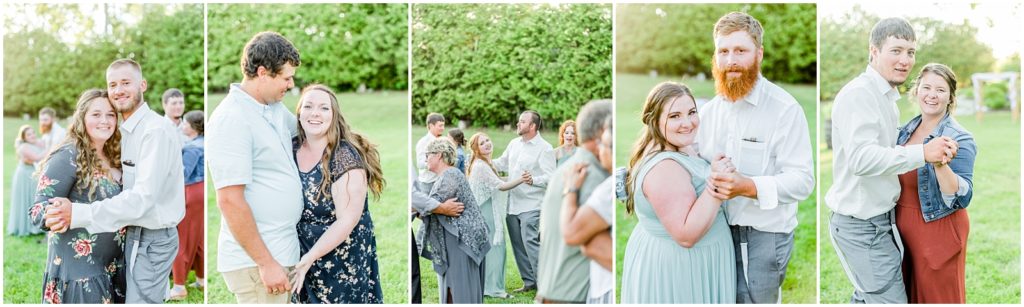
(149, 254)
(761, 261)
(524, 232)
(870, 252)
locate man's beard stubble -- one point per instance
(735, 89)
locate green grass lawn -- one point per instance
(631, 91)
(25, 257)
(500, 138)
(993, 246)
(381, 117)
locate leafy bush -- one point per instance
(487, 63)
(345, 46)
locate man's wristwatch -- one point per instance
(570, 190)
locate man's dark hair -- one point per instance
(270, 50)
(434, 117)
(535, 118)
(171, 93)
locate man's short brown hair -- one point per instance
(738, 21)
(270, 50)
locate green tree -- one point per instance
(486, 63)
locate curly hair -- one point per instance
(88, 160)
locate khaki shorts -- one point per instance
(249, 289)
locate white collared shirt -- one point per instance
(153, 194)
(250, 143)
(766, 137)
(535, 156)
(425, 176)
(866, 162)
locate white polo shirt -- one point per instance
(249, 143)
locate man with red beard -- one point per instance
(867, 163)
(761, 129)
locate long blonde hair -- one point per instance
(650, 134)
(88, 160)
(337, 131)
(474, 149)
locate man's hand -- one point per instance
(575, 177)
(450, 207)
(274, 278)
(527, 178)
(58, 214)
(940, 150)
(722, 164)
(727, 186)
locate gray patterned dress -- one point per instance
(456, 245)
(81, 267)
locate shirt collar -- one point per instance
(754, 97)
(534, 140)
(248, 100)
(133, 121)
(881, 84)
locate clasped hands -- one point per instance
(940, 151)
(58, 214)
(724, 182)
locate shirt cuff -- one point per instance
(767, 192)
(81, 216)
(915, 155)
(961, 190)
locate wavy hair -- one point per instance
(337, 131)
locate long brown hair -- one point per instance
(337, 131)
(88, 160)
(474, 149)
(650, 134)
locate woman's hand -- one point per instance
(299, 273)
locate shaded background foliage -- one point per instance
(845, 55)
(677, 39)
(345, 46)
(50, 63)
(484, 64)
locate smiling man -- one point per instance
(152, 201)
(762, 130)
(249, 150)
(867, 162)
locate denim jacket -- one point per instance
(932, 205)
(192, 160)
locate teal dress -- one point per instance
(23, 192)
(565, 154)
(656, 269)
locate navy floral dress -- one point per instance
(81, 267)
(349, 274)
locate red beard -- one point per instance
(735, 88)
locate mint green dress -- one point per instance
(656, 269)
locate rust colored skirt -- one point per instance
(190, 236)
(936, 252)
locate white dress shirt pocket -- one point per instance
(752, 157)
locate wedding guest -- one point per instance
(867, 163)
(455, 245)
(190, 230)
(566, 142)
(258, 189)
(931, 211)
(84, 266)
(28, 150)
(338, 169)
(563, 274)
(681, 250)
